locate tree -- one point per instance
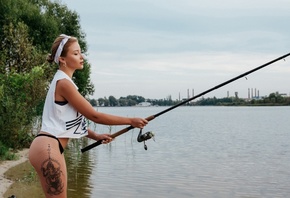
(135, 98)
(272, 97)
(132, 102)
(28, 30)
(113, 101)
(23, 87)
(101, 101)
(18, 54)
(21, 95)
(45, 20)
(93, 102)
(123, 101)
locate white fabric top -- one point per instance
(62, 120)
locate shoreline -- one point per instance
(6, 165)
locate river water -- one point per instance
(198, 152)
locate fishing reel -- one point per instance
(144, 137)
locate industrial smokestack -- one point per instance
(251, 92)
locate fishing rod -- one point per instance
(148, 135)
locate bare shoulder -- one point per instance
(64, 84)
(65, 89)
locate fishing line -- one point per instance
(182, 103)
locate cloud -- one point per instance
(158, 48)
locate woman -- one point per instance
(64, 116)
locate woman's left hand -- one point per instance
(106, 138)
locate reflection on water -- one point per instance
(79, 170)
(199, 152)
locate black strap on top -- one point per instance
(51, 136)
(61, 103)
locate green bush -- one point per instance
(20, 97)
(5, 153)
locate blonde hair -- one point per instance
(55, 45)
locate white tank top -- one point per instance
(62, 120)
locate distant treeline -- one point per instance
(274, 99)
(130, 100)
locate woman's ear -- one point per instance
(61, 61)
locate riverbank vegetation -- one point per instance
(28, 30)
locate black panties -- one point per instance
(51, 136)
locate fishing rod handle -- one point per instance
(99, 142)
(95, 144)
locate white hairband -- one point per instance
(60, 48)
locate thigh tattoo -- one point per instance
(51, 171)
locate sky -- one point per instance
(181, 48)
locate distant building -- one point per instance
(144, 104)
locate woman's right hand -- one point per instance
(138, 122)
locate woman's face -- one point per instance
(74, 58)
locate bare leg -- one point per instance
(49, 163)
